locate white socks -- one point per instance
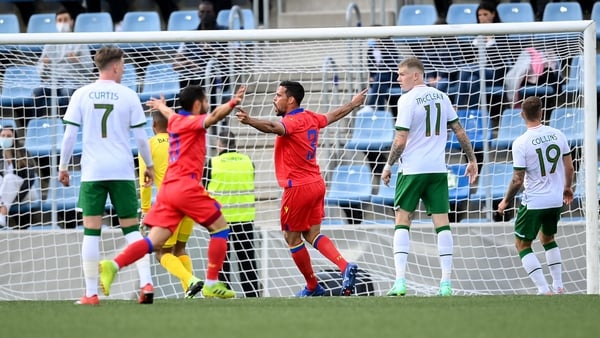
(554, 261)
(90, 257)
(401, 246)
(445, 248)
(534, 270)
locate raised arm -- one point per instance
(223, 110)
(344, 110)
(161, 106)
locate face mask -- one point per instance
(6, 142)
(63, 27)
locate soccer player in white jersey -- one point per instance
(107, 111)
(424, 114)
(542, 163)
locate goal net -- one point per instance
(486, 70)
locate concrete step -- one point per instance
(316, 6)
(303, 19)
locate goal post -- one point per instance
(40, 247)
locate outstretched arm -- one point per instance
(223, 110)
(265, 126)
(344, 110)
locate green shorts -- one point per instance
(123, 196)
(431, 188)
(530, 222)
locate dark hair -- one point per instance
(227, 140)
(490, 7)
(160, 120)
(532, 108)
(106, 55)
(293, 89)
(189, 95)
(63, 10)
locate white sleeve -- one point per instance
(141, 139)
(66, 148)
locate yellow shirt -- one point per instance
(159, 149)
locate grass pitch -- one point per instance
(458, 316)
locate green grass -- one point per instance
(470, 316)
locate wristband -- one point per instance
(63, 167)
(232, 104)
(387, 167)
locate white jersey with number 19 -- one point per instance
(540, 152)
(106, 111)
(425, 113)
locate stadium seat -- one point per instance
(42, 23)
(562, 11)
(413, 15)
(248, 18)
(160, 78)
(472, 121)
(8, 122)
(571, 122)
(141, 21)
(373, 130)
(385, 194)
(350, 185)
(596, 17)
(493, 181)
(44, 136)
(458, 183)
(183, 20)
(130, 77)
(18, 85)
(9, 23)
(515, 12)
(511, 126)
(459, 14)
(93, 22)
(64, 198)
(574, 83)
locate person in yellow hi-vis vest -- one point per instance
(229, 178)
(173, 256)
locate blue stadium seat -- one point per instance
(183, 20)
(511, 126)
(596, 17)
(141, 21)
(350, 185)
(571, 122)
(386, 193)
(247, 14)
(65, 198)
(18, 85)
(373, 130)
(459, 14)
(413, 15)
(8, 122)
(160, 78)
(493, 181)
(515, 12)
(472, 121)
(130, 77)
(42, 23)
(575, 79)
(458, 183)
(562, 11)
(93, 22)
(9, 23)
(44, 135)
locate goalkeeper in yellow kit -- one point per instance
(172, 256)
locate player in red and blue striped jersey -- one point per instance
(298, 173)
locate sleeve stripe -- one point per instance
(138, 125)
(71, 123)
(402, 128)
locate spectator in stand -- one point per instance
(68, 66)
(495, 61)
(192, 57)
(17, 173)
(382, 61)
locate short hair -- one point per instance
(107, 55)
(64, 10)
(532, 108)
(160, 120)
(227, 139)
(293, 89)
(189, 95)
(413, 63)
